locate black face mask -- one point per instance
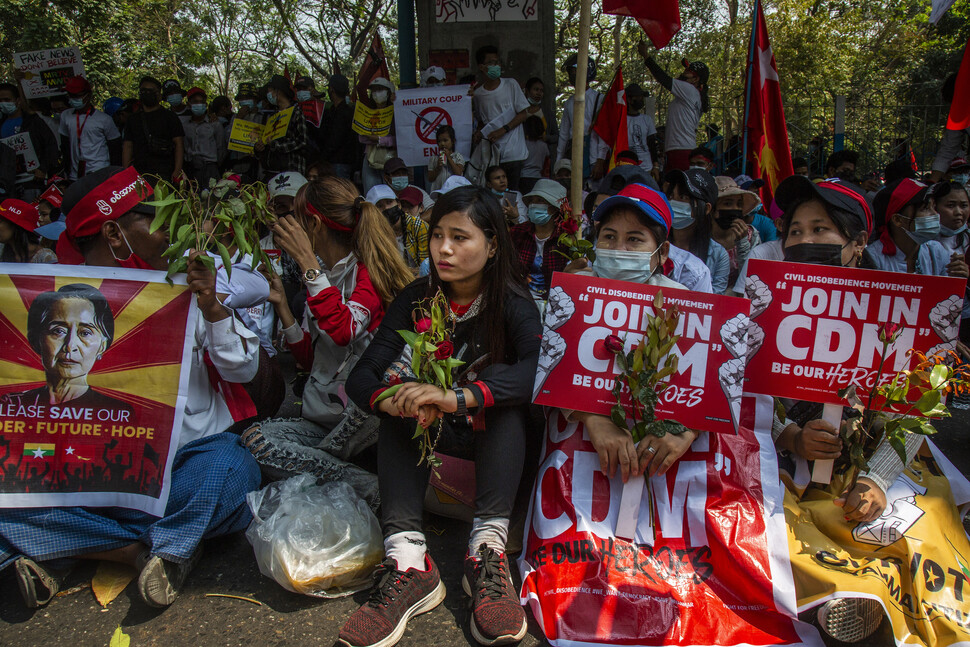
(725, 217)
(566, 183)
(848, 176)
(637, 105)
(815, 254)
(149, 98)
(393, 214)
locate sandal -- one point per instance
(30, 574)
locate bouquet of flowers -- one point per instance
(904, 404)
(431, 361)
(572, 237)
(641, 374)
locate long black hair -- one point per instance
(700, 240)
(846, 222)
(500, 279)
(17, 249)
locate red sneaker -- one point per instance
(397, 596)
(497, 616)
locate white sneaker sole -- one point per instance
(427, 603)
(501, 640)
(850, 620)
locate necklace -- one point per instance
(463, 313)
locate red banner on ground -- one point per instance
(815, 328)
(577, 372)
(93, 383)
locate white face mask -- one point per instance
(379, 96)
(682, 214)
(623, 266)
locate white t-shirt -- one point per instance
(445, 172)
(96, 130)
(683, 116)
(638, 129)
(536, 161)
(598, 149)
(505, 101)
(773, 250)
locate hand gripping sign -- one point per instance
(577, 372)
(418, 114)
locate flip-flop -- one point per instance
(29, 575)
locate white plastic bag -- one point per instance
(319, 540)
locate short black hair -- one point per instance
(484, 51)
(837, 158)
(152, 80)
(798, 162)
(704, 152)
(220, 102)
(9, 87)
(38, 316)
(533, 81)
(491, 171)
(445, 130)
(532, 128)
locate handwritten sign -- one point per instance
(46, 70)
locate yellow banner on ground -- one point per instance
(914, 559)
(245, 134)
(375, 122)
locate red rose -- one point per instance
(445, 349)
(613, 344)
(422, 325)
(889, 332)
(570, 226)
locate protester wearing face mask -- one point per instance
(693, 194)
(842, 164)
(433, 77)
(729, 227)
(174, 96)
(15, 120)
(378, 150)
(312, 108)
(89, 138)
(154, 137)
(205, 141)
(960, 172)
(536, 241)
(289, 152)
(339, 141)
(755, 215)
(512, 204)
(411, 231)
(950, 200)
(595, 150)
(702, 158)
(535, 92)
(640, 127)
(397, 175)
(246, 166)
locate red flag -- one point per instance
(659, 18)
(610, 121)
(375, 65)
(960, 106)
(286, 73)
(767, 134)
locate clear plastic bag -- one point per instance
(319, 540)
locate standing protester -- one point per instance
(433, 77)
(246, 166)
(287, 153)
(89, 138)
(684, 112)
(172, 91)
(537, 163)
(378, 150)
(640, 127)
(954, 142)
(595, 150)
(535, 91)
(205, 141)
(338, 142)
(500, 107)
(309, 105)
(154, 137)
(15, 120)
(842, 164)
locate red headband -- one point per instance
(901, 195)
(332, 224)
(838, 187)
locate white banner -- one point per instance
(485, 10)
(27, 161)
(46, 70)
(418, 114)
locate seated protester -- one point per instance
(842, 165)
(212, 471)
(485, 417)
(770, 251)
(448, 161)
(245, 291)
(413, 204)
(756, 216)
(693, 194)
(511, 201)
(562, 172)
(19, 240)
(536, 241)
(702, 158)
(950, 200)
(154, 137)
(289, 152)
(397, 175)
(411, 232)
(348, 294)
(729, 228)
(537, 163)
(535, 91)
(908, 242)
(205, 141)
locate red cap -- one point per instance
(23, 214)
(77, 85)
(194, 91)
(411, 195)
(905, 191)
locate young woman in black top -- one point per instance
(496, 334)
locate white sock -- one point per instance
(491, 532)
(407, 549)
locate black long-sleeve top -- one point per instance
(502, 384)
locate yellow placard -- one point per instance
(277, 124)
(245, 134)
(375, 122)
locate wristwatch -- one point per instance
(460, 395)
(311, 274)
(506, 127)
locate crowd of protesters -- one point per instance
(364, 238)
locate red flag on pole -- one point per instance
(375, 65)
(610, 122)
(960, 106)
(660, 19)
(766, 131)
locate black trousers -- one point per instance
(498, 451)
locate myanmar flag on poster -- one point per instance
(767, 132)
(38, 450)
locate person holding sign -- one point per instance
(14, 120)
(378, 148)
(89, 138)
(286, 153)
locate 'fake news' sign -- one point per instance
(577, 372)
(815, 329)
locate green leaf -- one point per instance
(939, 375)
(439, 372)
(411, 338)
(388, 392)
(639, 431)
(226, 259)
(119, 639)
(157, 221)
(929, 400)
(618, 416)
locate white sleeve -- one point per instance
(651, 126)
(565, 130)
(110, 130)
(950, 147)
(520, 205)
(598, 149)
(687, 92)
(519, 102)
(233, 349)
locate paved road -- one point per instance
(284, 618)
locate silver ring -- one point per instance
(651, 449)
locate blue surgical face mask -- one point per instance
(247, 103)
(271, 98)
(946, 232)
(539, 214)
(198, 109)
(925, 229)
(399, 183)
(498, 194)
(174, 99)
(77, 104)
(961, 179)
(303, 95)
(683, 214)
(623, 266)
(8, 107)
(494, 71)
(533, 102)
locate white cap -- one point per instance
(564, 163)
(286, 183)
(433, 72)
(380, 192)
(452, 182)
(381, 81)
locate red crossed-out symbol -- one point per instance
(428, 122)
